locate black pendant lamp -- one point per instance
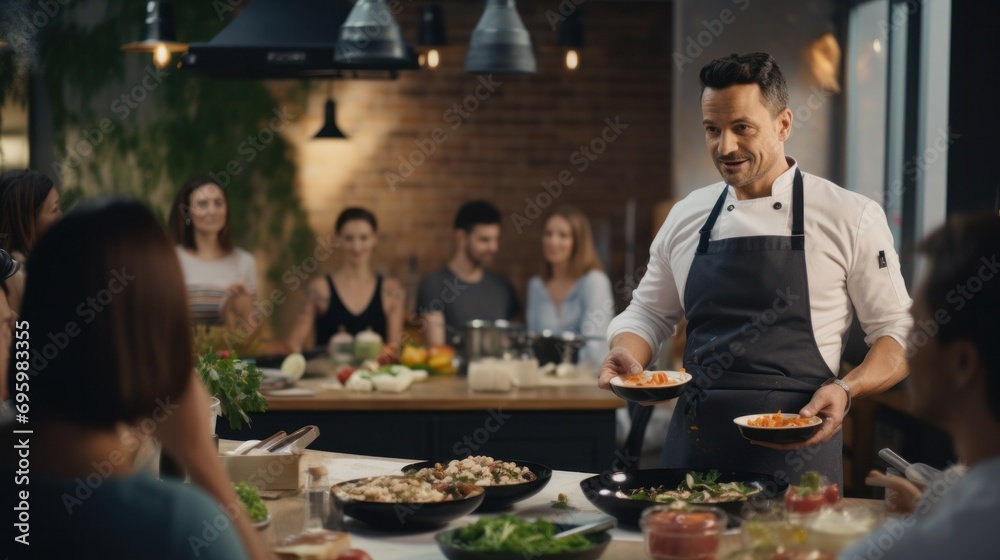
(160, 38)
(500, 43)
(431, 34)
(330, 129)
(371, 37)
(571, 38)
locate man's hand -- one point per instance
(829, 403)
(618, 362)
(907, 494)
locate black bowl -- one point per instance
(502, 497)
(602, 491)
(652, 394)
(407, 515)
(777, 435)
(599, 540)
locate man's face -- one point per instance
(482, 243)
(928, 387)
(743, 138)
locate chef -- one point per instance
(768, 266)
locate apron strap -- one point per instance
(706, 230)
(798, 226)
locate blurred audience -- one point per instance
(465, 289)
(221, 279)
(573, 293)
(107, 379)
(954, 383)
(29, 205)
(353, 296)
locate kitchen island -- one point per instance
(287, 512)
(567, 424)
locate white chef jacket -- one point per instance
(851, 261)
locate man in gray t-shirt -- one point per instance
(464, 290)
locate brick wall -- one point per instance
(504, 143)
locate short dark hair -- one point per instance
(120, 357)
(751, 68)
(477, 212)
(963, 250)
(181, 229)
(22, 193)
(355, 213)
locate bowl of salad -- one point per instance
(505, 482)
(625, 495)
(511, 538)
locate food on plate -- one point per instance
(371, 376)
(510, 535)
(682, 533)
(313, 545)
(696, 488)
(778, 421)
(477, 470)
(250, 497)
(648, 379)
(391, 489)
(811, 494)
(345, 373)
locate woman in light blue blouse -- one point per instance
(573, 293)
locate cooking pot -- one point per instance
(556, 347)
(488, 339)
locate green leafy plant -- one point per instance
(235, 383)
(250, 497)
(507, 534)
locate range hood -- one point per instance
(294, 39)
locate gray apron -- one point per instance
(751, 349)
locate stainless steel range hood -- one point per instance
(294, 39)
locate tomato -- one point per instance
(803, 503)
(354, 554)
(344, 374)
(224, 354)
(832, 494)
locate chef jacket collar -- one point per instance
(782, 186)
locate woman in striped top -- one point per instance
(221, 279)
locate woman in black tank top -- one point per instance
(353, 296)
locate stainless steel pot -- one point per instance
(488, 339)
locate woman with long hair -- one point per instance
(353, 296)
(573, 293)
(221, 278)
(112, 366)
(29, 205)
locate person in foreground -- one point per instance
(955, 384)
(105, 378)
(769, 268)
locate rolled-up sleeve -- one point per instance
(656, 307)
(875, 283)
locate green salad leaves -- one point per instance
(250, 497)
(512, 535)
(697, 488)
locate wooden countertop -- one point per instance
(452, 394)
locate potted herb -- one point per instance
(235, 383)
